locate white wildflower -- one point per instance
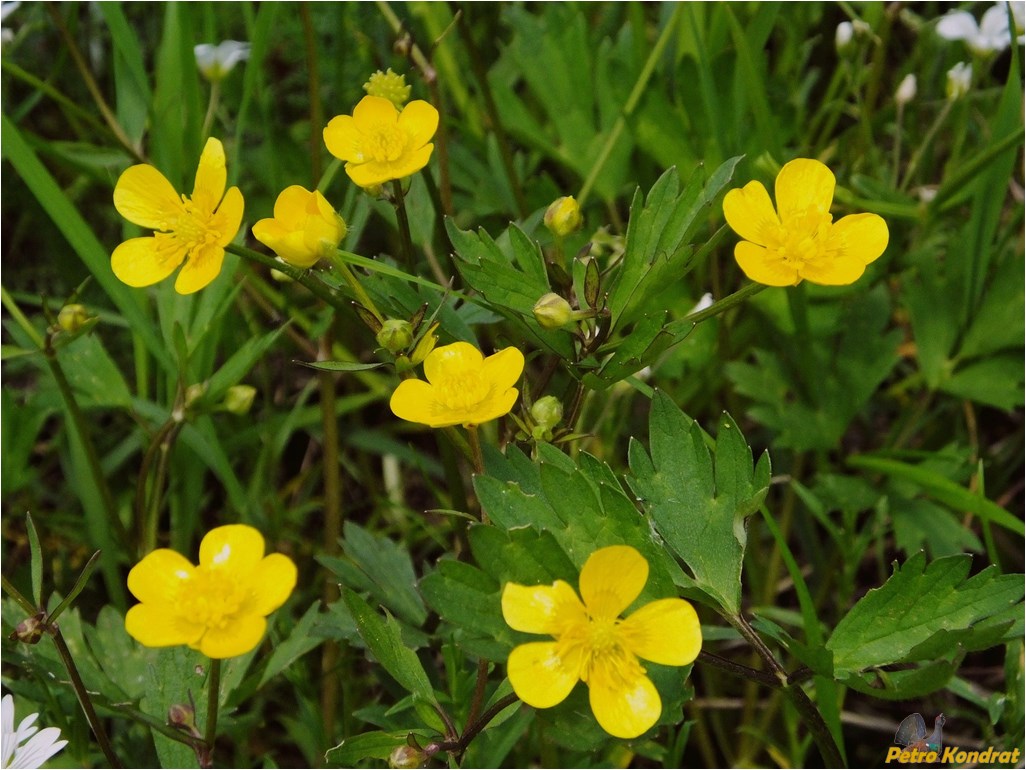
(28, 746)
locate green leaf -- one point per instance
(389, 572)
(901, 620)
(93, 375)
(299, 642)
(941, 488)
(341, 366)
(178, 677)
(470, 600)
(236, 367)
(384, 639)
(372, 745)
(36, 561)
(698, 502)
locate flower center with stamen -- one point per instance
(463, 391)
(212, 598)
(802, 239)
(384, 143)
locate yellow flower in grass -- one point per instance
(194, 230)
(303, 229)
(594, 645)
(379, 143)
(463, 387)
(219, 607)
(799, 240)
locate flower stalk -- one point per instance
(213, 703)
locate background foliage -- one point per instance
(880, 561)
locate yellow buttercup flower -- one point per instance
(303, 229)
(799, 240)
(379, 143)
(594, 645)
(196, 228)
(218, 607)
(463, 387)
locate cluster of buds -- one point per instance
(388, 85)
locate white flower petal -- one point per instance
(958, 25)
(43, 746)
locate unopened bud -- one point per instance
(72, 317)
(194, 393)
(388, 85)
(843, 37)
(395, 336)
(407, 757)
(30, 630)
(563, 216)
(239, 399)
(960, 78)
(906, 90)
(182, 717)
(553, 312)
(425, 346)
(547, 412)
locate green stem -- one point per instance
(354, 284)
(471, 732)
(156, 491)
(83, 698)
(404, 223)
(313, 91)
(632, 102)
(213, 703)
(475, 449)
(479, 691)
(215, 99)
(15, 594)
(303, 277)
(924, 145)
(723, 305)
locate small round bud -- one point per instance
(406, 757)
(547, 412)
(563, 216)
(30, 630)
(388, 85)
(553, 312)
(395, 336)
(906, 90)
(960, 78)
(182, 717)
(239, 399)
(72, 317)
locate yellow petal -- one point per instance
(490, 409)
(664, 631)
(761, 267)
(374, 110)
(839, 271)
(240, 635)
(541, 609)
(409, 163)
(624, 709)
(859, 236)
(451, 360)
(203, 266)
(414, 400)
(292, 205)
(611, 579)
(342, 138)
(272, 582)
(144, 197)
(503, 369)
(235, 547)
(419, 121)
(803, 184)
(159, 577)
(144, 261)
(540, 677)
(371, 173)
(228, 218)
(269, 232)
(211, 176)
(157, 625)
(750, 214)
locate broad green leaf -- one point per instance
(699, 502)
(470, 600)
(342, 366)
(384, 639)
(389, 572)
(899, 621)
(179, 676)
(372, 745)
(299, 642)
(93, 374)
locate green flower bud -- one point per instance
(239, 399)
(194, 393)
(72, 317)
(563, 216)
(547, 412)
(395, 336)
(182, 716)
(553, 312)
(388, 85)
